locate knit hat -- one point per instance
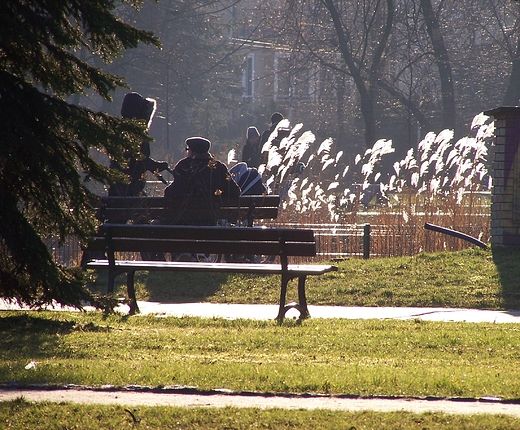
(135, 106)
(198, 145)
(276, 118)
(252, 132)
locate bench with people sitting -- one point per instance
(193, 218)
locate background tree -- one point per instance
(443, 64)
(444, 61)
(195, 78)
(46, 140)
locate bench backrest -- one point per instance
(169, 211)
(212, 240)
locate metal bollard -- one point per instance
(366, 241)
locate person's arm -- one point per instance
(177, 189)
(154, 166)
(233, 190)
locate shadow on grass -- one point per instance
(507, 261)
(183, 287)
(166, 287)
(26, 334)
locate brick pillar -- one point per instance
(505, 171)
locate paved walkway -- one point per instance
(219, 400)
(266, 312)
(262, 312)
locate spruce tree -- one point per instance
(46, 141)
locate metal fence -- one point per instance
(365, 240)
(337, 241)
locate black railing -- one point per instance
(336, 241)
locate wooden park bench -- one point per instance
(243, 211)
(177, 239)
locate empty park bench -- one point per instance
(177, 239)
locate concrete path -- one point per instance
(263, 312)
(266, 312)
(219, 400)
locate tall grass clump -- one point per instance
(441, 181)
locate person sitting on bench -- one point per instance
(200, 178)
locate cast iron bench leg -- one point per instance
(134, 309)
(111, 279)
(301, 306)
(302, 299)
(283, 292)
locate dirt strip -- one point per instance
(140, 398)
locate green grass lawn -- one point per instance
(355, 357)
(20, 415)
(474, 278)
(352, 357)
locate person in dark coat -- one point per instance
(251, 151)
(135, 106)
(200, 179)
(275, 119)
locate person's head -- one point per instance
(276, 118)
(135, 106)
(252, 134)
(198, 147)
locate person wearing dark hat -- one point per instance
(281, 133)
(275, 119)
(201, 179)
(251, 151)
(135, 106)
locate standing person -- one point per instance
(251, 151)
(275, 119)
(201, 179)
(281, 133)
(135, 106)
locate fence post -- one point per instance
(366, 241)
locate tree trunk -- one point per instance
(512, 96)
(443, 64)
(367, 82)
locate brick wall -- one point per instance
(505, 171)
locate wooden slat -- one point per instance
(161, 202)
(262, 269)
(168, 211)
(214, 240)
(213, 247)
(208, 233)
(167, 214)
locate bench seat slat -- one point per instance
(262, 269)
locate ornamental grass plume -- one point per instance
(436, 181)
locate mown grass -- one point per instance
(20, 415)
(472, 278)
(357, 357)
